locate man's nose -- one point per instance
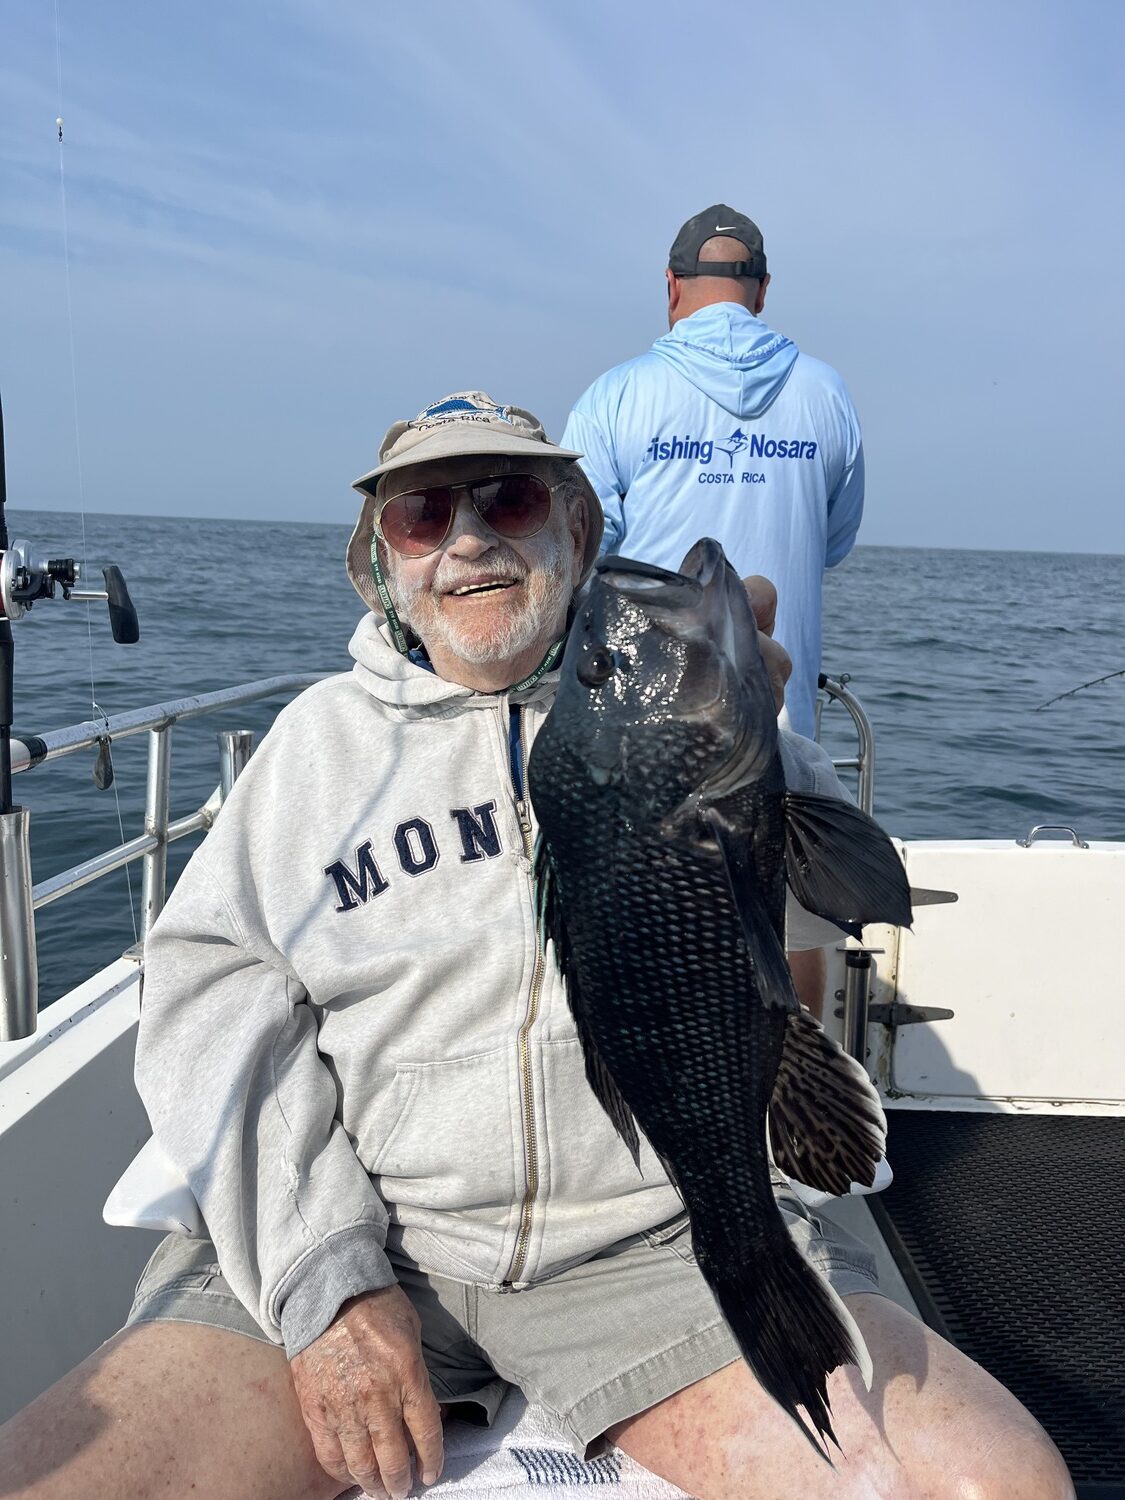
(469, 536)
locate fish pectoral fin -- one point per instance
(767, 956)
(827, 1126)
(549, 922)
(841, 865)
(609, 1096)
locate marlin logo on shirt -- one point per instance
(734, 444)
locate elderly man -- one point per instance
(353, 1048)
(723, 428)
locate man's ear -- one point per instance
(675, 287)
(578, 530)
(578, 524)
(760, 299)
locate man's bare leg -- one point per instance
(809, 967)
(934, 1426)
(166, 1409)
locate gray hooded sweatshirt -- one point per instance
(350, 1038)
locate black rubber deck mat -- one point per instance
(1010, 1232)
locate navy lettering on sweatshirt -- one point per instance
(359, 880)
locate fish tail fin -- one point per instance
(792, 1328)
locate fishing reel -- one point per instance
(24, 578)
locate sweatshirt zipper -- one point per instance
(527, 1101)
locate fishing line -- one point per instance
(95, 709)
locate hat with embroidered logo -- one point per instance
(466, 424)
(683, 258)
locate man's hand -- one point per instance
(365, 1396)
(763, 601)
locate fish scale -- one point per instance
(702, 1062)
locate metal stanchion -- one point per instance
(235, 749)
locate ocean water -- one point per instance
(950, 652)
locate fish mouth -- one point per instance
(702, 571)
(649, 586)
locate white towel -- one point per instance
(524, 1455)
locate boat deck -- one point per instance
(1009, 1230)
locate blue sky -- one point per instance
(292, 223)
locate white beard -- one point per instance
(547, 589)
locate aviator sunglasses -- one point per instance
(514, 506)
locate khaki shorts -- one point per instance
(594, 1345)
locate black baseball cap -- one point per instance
(683, 258)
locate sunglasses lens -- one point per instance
(417, 523)
(514, 506)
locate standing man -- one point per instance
(723, 428)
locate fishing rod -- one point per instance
(25, 578)
(1080, 688)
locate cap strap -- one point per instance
(737, 268)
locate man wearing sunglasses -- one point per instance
(354, 1050)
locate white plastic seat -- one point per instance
(814, 1198)
(152, 1193)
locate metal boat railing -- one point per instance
(859, 962)
(19, 899)
(863, 761)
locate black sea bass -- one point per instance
(667, 837)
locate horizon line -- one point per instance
(348, 525)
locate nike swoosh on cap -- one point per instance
(722, 228)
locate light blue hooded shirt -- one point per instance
(724, 429)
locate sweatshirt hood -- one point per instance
(734, 358)
(401, 684)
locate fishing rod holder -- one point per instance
(19, 970)
(859, 981)
(25, 577)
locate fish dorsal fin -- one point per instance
(827, 1127)
(841, 865)
(767, 956)
(552, 927)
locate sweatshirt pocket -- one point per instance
(388, 1118)
(442, 1135)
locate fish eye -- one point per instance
(597, 666)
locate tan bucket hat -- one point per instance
(465, 424)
